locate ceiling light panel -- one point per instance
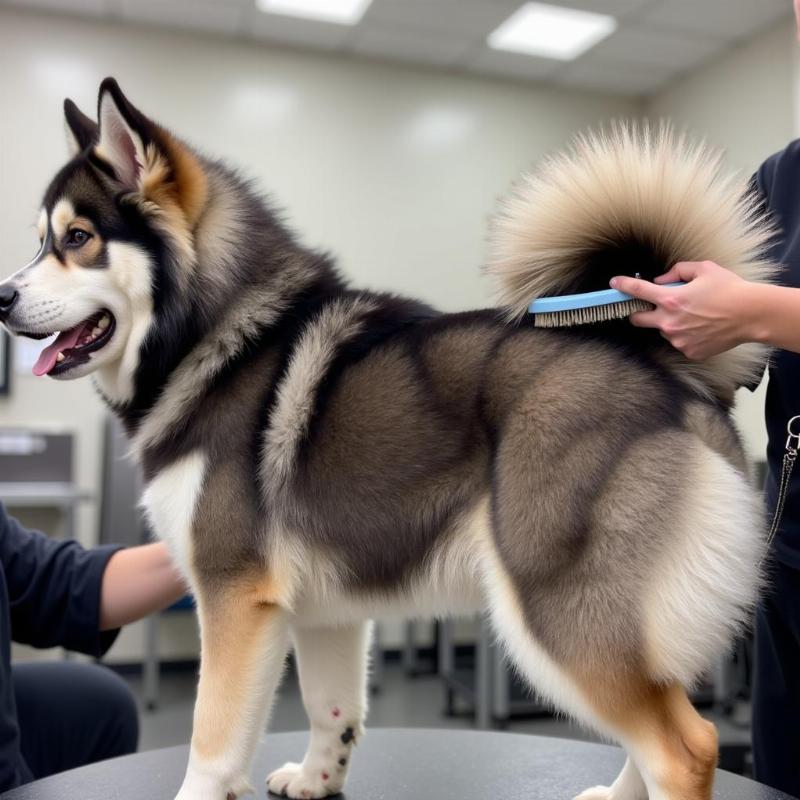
(342, 12)
(549, 31)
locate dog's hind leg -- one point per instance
(672, 750)
(243, 646)
(675, 748)
(332, 665)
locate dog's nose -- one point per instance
(8, 296)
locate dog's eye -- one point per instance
(77, 237)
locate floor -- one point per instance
(401, 702)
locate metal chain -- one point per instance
(789, 457)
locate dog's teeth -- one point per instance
(104, 322)
(97, 331)
(60, 357)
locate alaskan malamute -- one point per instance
(317, 456)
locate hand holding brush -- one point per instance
(714, 311)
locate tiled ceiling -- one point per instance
(656, 41)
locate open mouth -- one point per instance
(74, 346)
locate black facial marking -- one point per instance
(342, 762)
(348, 736)
(92, 198)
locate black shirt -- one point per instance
(49, 595)
(778, 179)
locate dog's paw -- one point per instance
(292, 780)
(596, 793)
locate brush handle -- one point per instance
(571, 302)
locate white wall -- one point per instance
(745, 103)
(393, 169)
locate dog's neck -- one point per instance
(248, 274)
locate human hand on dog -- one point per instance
(712, 313)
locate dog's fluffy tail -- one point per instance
(630, 200)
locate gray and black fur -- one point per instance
(360, 449)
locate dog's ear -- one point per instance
(81, 130)
(146, 158)
(124, 135)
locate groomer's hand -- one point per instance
(707, 316)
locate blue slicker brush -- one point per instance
(581, 309)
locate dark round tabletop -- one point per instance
(391, 764)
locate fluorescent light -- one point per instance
(551, 31)
(343, 12)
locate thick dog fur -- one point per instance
(317, 456)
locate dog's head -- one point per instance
(117, 221)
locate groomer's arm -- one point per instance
(716, 310)
(776, 314)
(137, 582)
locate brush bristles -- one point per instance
(585, 316)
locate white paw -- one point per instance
(596, 793)
(292, 780)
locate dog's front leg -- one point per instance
(332, 665)
(243, 647)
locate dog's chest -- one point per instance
(170, 500)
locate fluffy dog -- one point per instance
(317, 456)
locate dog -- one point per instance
(317, 456)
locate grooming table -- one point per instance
(391, 764)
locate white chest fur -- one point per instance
(170, 500)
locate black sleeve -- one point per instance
(758, 190)
(761, 182)
(53, 589)
(14, 771)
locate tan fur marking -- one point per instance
(160, 200)
(232, 642)
(41, 225)
(89, 254)
(63, 213)
(190, 182)
(658, 722)
(173, 192)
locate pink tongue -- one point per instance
(65, 341)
